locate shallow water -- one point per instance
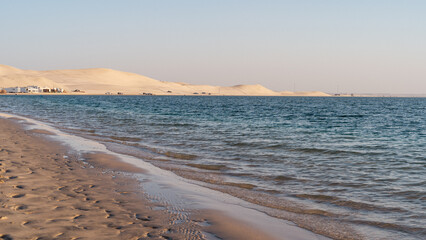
(357, 161)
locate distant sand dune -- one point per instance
(102, 80)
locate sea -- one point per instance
(344, 167)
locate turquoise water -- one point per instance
(360, 162)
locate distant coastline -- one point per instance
(101, 81)
(192, 95)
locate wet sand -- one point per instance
(46, 196)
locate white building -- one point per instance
(57, 90)
(33, 89)
(15, 90)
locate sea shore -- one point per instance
(147, 95)
(47, 192)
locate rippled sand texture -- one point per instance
(44, 195)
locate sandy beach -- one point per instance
(46, 196)
(47, 193)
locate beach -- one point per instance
(48, 193)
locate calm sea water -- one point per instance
(351, 163)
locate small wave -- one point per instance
(182, 156)
(351, 185)
(366, 206)
(240, 185)
(318, 197)
(348, 203)
(239, 144)
(175, 155)
(279, 179)
(351, 116)
(277, 146)
(243, 174)
(327, 151)
(85, 130)
(282, 178)
(316, 212)
(92, 135)
(421, 183)
(126, 139)
(174, 124)
(411, 195)
(213, 167)
(391, 226)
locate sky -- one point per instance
(362, 46)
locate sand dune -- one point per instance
(6, 70)
(102, 80)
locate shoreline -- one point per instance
(46, 192)
(216, 95)
(200, 221)
(138, 94)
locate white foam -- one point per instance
(182, 193)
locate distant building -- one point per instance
(57, 90)
(33, 89)
(45, 90)
(14, 90)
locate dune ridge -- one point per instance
(102, 80)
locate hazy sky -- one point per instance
(371, 46)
